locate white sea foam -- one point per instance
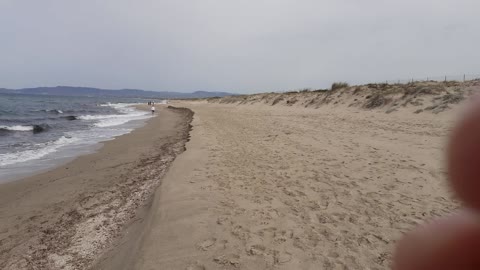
(17, 128)
(105, 127)
(96, 117)
(128, 113)
(43, 150)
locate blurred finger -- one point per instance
(464, 157)
(451, 243)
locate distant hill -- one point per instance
(96, 92)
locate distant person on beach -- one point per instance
(452, 242)
(153, 109)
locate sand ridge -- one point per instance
(421, 97)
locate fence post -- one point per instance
(445, 78)
(463, 77)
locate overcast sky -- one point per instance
(241, 46)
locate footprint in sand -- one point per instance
(282, 257)
(253, 250)
(196, 266)
(228, 260)
(205, 245)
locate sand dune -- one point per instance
(330, 186)
(419, 97)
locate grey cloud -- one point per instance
(242, 46)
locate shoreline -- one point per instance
(66, 153)
(67, 217)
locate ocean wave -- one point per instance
(69, 117)
(97, 117)
(55, 111)
(4, 132)
(43, 150)
(110, 116)
(112, 122)
(17, 128)
(35, 128)
(79, 111)
(100, 128)
(127, 114)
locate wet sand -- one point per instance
(66, 218)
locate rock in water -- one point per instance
(39, 128)
(70, 117)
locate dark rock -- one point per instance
(4, 131)
(70, 117)
(39, 128)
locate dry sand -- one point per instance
(279, 187)
(67, 217)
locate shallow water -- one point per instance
(38, 132)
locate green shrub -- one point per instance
(339, 85)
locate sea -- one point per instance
(39, 132)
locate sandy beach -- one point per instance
(278, 187)
(239, 135)
(68, 217)
(317, 180)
